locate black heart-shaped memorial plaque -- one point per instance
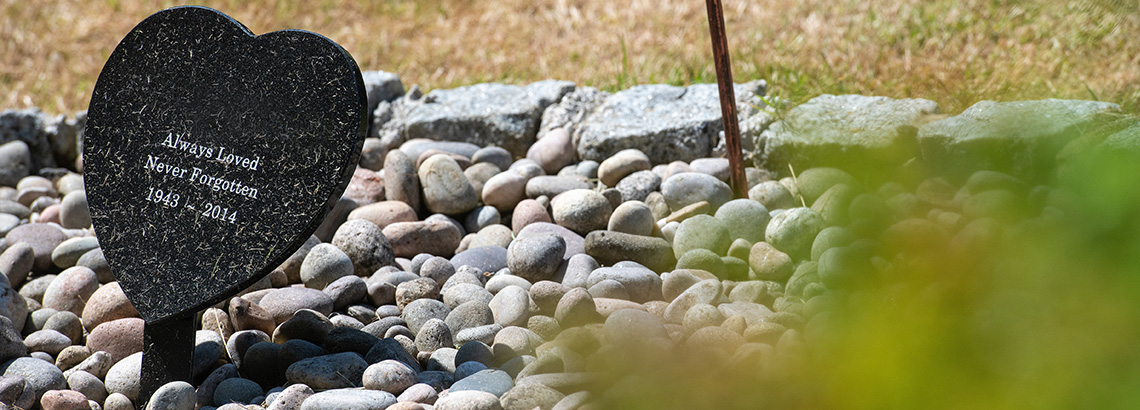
(211, 155)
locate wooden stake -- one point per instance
(727, 99)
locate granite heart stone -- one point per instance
(212, 154)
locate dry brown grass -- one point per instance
(954, 52)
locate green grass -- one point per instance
(953, 52)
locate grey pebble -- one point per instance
(349, 399)
(333, 371)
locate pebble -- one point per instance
(478, 175)
(717, 341)
(620, 164)
(700, 316)
(477, 351)
(384, 213)
(236, 390)
(527, 212)
(305, 324)
(707, 291)
(702, 232)
(633, 217)
(419, 311)
(717, 167)
(688, 188)
(418, 393)
(17, 161)
(106, 304)
(292, 265)
(813, 182)
(71, 290)
(420, 288)
(536, 257)
(638, 185)
(208, 348)
(64, 400)
(68, 252)
(438, 269)
(491, 381)
(333, 371)
(372, 154)
(609, 247)
(123, 377)
(294, 350)
(66, 323)
(546, 295)
(510, 306)
(433, 335)
(702, 259)
(246, 315)
(349, 399)
(291, 398)
(400, 180)
(120, 338)
(71, 356)
(610, 289)
(575, 244)
(73, 211)
(177, 395)
(16, 262)
(98, 363)
(642, 284)
(47, 340)
(745, 219)
(445, 187)
(484, 334)
(40, 376)
(365, 244)
(573, 401)
(505, 190)
(481, 217)
(347, 290)
(581, 210)
(632, 326)
(578, 270)
(769, 263)
(282, 303)
(772, 195)
(551, 186)
(468, 400)
(462, 293)
(14, 392)
(472, 313)
(794, 230)
(434, 237)
(514, 341)
(530, 396)
(324, 264)
(576, 308)
(390, 348)
(389, 375)
(93, 389)
(494, 235)
(204, 396)
(552, 151)
(442, 359)
(497, 156)
(365, 187)
(845, 267)
(118, 401)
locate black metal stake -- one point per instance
(168, 354)
(727, 99)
